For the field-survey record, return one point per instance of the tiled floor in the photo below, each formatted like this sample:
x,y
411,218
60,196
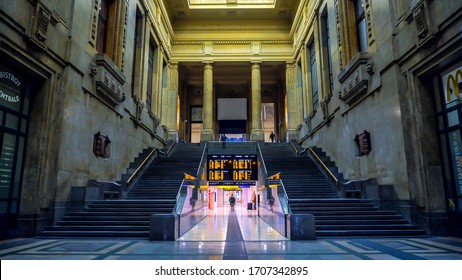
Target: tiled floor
x,y
214,227
209,240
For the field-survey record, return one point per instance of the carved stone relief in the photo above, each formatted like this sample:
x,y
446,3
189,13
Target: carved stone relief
x,y
208,48
424,25
339,41
124,38
109,81
354,79
94,22
369,22
39,26
256,48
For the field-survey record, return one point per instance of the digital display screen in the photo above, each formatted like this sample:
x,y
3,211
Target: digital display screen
x,y
240,169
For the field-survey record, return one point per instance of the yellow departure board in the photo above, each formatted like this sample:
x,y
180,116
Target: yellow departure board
x,y
241,169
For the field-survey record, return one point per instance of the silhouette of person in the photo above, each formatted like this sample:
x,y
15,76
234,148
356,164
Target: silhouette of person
x,y
272,136
232,202
223,139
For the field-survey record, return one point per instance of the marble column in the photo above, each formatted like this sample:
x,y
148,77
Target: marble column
x,y
207,109
172,101
291,91
257,132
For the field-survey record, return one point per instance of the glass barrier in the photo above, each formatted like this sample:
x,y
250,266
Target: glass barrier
x,y
274,204
191,205
275,208
190,211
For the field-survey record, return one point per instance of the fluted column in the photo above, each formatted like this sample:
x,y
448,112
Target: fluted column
x,y
291,82
172,99
207,109
257,132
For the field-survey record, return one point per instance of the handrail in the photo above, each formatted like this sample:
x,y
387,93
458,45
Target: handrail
x,y
324,166
141,166
201,163
170,148
175,209
265,171
293,147
284,189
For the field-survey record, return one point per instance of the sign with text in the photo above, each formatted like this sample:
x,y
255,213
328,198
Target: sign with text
x,y
10,89
241,169
452,84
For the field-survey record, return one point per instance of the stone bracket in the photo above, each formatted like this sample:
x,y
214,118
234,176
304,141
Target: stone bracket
x,y
354,78
109,81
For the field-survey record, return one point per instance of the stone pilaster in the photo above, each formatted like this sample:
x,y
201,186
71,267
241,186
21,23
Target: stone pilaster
x,y
172,95
291,89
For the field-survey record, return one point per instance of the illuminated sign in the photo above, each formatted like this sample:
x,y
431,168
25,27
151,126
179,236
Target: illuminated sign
x,y
453,81
240,169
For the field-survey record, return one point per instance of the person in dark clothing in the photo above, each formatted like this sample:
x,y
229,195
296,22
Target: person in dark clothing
x,y
232,202
223,139
272,136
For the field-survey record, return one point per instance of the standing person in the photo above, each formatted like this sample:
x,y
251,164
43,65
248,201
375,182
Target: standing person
x,y
272,136
223,139
232,202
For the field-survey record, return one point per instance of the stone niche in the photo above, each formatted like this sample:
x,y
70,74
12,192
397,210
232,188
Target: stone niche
x,y
109,81
354,79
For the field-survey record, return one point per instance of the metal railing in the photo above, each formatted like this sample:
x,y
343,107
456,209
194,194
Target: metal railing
x,y
326,169
129,181
170,148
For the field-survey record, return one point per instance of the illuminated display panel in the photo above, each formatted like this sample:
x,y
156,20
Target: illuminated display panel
x,y
232,169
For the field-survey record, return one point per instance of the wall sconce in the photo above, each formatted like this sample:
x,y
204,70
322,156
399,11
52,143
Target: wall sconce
x,y
363,141
101,145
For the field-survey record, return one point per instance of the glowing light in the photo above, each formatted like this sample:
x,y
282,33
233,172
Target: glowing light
x,y
232,4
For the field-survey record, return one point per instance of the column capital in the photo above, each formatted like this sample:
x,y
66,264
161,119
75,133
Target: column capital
x,y
255,62
255,65
173,64
291,64
208,65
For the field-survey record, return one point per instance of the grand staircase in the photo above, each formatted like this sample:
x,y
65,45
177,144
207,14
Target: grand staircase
x,y
154,192
310,192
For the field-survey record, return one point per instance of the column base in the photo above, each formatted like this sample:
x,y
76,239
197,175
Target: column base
x,y
257,135
292,134
207,135
173,135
